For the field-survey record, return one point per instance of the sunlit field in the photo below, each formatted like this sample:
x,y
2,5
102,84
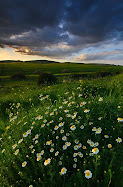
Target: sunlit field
x,y
63,135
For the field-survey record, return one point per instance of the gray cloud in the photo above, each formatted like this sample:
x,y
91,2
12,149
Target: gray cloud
x,y
106,55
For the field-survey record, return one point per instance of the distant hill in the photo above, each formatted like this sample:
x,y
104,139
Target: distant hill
x,y
49,62
41,61
31,61
9,61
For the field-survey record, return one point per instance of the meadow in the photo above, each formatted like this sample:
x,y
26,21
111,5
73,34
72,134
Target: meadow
x,y
63,135
28,68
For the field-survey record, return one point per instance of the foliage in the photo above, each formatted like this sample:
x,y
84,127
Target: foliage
x,y
46,78
18,76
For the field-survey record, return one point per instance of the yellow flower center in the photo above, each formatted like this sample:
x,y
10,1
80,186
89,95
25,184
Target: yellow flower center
x,y
87,173
95,149
63,170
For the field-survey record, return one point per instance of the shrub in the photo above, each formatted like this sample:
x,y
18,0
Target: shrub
x,y
46,78
18,76
102,74
78,76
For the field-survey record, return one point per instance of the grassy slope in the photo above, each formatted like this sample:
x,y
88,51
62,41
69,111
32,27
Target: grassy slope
x,y
109,88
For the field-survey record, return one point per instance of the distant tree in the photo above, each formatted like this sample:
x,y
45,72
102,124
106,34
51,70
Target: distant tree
x,y
46,78
18,76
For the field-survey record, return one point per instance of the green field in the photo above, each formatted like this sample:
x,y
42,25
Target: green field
x,y
7,69
51,134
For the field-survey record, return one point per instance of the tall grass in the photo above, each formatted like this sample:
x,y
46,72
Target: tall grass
x,y
54,119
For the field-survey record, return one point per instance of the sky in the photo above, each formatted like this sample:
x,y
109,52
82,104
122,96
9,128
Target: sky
x,y
85,31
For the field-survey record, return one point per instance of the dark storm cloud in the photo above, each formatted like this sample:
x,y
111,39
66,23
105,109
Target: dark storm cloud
x,y
59,27
95,19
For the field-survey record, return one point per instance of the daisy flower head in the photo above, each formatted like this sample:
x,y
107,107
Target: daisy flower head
x,y
61,118
64,138
99,118
91,144
60,163
94,129
118,140
47,161
51,150
80,155
63,171
76,141
46,112
64,147
76,147
16,152
84,147
101,99
61,124
75,154
86,110
36,141
66,111
88,174
88,141
68,115
91,154
79,145
38,154
73,127
29,131
75,159
49,142
14,146
109,146
3,150
82,127
74,165
31,146
43,125
56,127
98,132
96,144
39,158
42,152
52,113
62,131
33,151
10,115
120,119
24,164
57,152
106,136
45,121
84,103
74,116
60,107
25,134
95,150
90,123
67,144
